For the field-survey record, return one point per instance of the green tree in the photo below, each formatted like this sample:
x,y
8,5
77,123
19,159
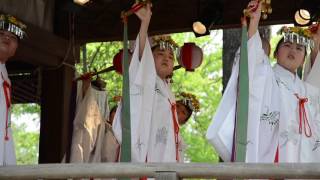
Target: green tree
x,y
26,144
206,83
20,109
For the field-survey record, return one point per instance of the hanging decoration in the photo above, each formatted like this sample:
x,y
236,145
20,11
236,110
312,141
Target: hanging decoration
x,y
265,11
314,28
117,61
190,57
297,35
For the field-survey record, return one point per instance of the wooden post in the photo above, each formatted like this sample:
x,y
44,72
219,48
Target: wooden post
x,y
231,42
54,126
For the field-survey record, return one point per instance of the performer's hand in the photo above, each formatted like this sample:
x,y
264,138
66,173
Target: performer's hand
x,y
254,7
117,98
144,13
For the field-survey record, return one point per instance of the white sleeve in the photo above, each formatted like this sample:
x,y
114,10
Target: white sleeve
x,y
314,74
142,70
255,54
116,125
220,131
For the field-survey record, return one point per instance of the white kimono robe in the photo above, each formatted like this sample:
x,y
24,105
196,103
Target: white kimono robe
x,y
110,146
152,125
273,120
7,151
311,75
89,126
182,149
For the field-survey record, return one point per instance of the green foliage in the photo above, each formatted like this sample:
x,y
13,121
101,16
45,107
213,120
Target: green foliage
x,y
206,83
273,43
103,59
26,144
20,109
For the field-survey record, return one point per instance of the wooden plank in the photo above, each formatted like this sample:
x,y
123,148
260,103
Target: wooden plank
x,y
35,56
17,90
183,170
19,99
166,176
27,86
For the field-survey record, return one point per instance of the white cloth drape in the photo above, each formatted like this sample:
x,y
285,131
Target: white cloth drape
x,y
110,148
89,125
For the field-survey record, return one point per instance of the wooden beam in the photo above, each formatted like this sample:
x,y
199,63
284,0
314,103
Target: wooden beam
x,y
41,47
183,170
27,86
29,94
166,175
16,99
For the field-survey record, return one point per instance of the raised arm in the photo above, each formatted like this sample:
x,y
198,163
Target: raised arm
x,y
144,15
254,16
315,49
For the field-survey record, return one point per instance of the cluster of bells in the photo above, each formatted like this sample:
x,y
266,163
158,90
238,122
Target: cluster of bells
x,y
190,57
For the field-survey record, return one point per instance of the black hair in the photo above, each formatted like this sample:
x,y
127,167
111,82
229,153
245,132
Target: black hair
x,y
188,109
278,46
155,47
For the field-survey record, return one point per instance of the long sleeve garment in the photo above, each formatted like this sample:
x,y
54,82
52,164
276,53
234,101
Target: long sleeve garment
x,y
152,122
276,118
7,151
89,125
111,148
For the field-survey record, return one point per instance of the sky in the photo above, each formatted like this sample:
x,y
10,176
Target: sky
x,y
32,121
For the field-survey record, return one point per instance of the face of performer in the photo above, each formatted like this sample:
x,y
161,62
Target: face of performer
x,y
163,59
8,45
183,113
290,55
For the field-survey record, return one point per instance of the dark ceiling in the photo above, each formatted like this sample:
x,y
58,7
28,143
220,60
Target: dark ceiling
x,y
100,20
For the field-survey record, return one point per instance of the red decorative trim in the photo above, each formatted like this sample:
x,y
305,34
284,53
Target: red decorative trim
x,y
176,128
7,93
303,117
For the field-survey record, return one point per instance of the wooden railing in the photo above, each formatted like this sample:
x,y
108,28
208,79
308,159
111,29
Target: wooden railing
x,y
170,171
